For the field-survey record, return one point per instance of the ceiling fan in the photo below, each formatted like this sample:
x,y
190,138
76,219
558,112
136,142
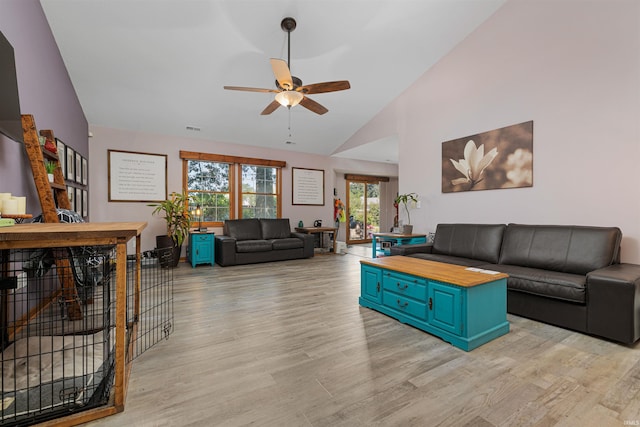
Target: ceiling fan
x,y
290,90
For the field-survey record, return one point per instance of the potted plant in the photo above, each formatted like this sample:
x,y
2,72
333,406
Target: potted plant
x,y
405,199
50,167
178,221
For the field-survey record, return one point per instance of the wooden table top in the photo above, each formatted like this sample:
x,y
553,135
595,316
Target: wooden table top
x,y
72,233
398,235
448,273
315,229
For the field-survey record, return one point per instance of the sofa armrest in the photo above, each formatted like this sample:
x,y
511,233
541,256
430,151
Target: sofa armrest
x,y
419,248
613,302
309,243
225,248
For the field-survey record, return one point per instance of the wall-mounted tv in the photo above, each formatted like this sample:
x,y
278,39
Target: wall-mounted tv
x,y
10,119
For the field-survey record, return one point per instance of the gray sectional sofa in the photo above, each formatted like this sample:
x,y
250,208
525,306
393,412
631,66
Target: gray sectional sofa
x,y
247,241
569,276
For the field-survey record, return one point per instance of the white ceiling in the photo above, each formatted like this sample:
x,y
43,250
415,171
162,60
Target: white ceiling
x,y
159,66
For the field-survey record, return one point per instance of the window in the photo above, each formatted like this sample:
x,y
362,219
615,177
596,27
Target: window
x,y
210,182
260,194
208,186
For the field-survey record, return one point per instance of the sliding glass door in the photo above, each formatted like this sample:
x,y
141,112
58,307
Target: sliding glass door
x,y
363,210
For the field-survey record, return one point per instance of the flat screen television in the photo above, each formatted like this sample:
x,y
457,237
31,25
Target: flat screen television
x,y
10,119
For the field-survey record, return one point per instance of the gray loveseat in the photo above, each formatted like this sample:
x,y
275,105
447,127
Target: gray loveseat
x,y
569,276
247,241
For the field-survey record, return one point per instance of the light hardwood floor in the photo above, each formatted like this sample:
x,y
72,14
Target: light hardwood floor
x,y
286,344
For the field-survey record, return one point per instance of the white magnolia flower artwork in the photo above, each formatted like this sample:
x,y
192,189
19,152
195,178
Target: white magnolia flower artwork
x,y
500,158
473,164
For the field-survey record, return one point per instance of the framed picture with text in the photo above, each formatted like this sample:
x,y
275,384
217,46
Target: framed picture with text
x,y
137,177
307,186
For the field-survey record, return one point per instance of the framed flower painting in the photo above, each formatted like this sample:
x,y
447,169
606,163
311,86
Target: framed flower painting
x,y
500,158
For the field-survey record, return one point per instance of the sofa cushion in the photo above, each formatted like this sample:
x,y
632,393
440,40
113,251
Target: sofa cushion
x,y
562,248
476,241
467,262
288,243
253,246
275,228
546,283
243,229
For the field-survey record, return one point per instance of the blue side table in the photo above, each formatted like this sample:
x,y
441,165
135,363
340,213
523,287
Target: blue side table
x,y
386,240
201,248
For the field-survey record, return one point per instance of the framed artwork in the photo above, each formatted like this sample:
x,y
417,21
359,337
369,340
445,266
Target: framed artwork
x,y
137,177
78,168
78,207
307,186
85,203
62,156
71,193
71,162
499,158
85,172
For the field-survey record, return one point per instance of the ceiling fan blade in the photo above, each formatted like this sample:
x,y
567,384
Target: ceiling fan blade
x,y
282,73
325,87
312,105
251,89
270,108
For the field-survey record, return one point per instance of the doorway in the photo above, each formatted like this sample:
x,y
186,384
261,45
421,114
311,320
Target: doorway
x,y
363,209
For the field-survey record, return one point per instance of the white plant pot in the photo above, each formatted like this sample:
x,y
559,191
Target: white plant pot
x,y
50,175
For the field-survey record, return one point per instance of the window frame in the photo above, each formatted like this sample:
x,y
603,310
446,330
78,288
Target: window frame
x,y
235,179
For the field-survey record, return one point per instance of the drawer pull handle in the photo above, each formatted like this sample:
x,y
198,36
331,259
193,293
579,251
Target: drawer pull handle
x,y
402,288
402,305
430,304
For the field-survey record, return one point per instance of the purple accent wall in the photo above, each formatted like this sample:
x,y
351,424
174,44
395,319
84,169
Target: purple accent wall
x,y
45,92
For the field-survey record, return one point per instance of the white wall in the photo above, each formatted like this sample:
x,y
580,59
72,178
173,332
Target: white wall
x,y
107,138
573,67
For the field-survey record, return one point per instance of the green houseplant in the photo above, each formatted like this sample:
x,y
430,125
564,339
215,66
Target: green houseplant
x,y
178,221
405,199
50,167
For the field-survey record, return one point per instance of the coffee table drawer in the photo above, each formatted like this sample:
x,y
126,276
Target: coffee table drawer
x,y
408,286
405,305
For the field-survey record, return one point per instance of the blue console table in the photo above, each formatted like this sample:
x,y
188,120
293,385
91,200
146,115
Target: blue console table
x,y
201,248
464,306
381,242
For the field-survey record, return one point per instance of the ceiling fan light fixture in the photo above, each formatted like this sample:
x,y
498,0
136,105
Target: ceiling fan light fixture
x,y
289,98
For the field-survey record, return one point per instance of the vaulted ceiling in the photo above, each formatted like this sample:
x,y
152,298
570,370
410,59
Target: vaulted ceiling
x,y
159,66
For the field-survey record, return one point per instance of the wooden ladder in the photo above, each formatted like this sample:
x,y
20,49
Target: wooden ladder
x,y
49,193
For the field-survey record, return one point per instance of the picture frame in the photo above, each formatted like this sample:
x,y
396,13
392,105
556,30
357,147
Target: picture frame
x,y
62,156
85,203
78,168
78,207
71,162
136,177
497,159
85,171
71,194
307,186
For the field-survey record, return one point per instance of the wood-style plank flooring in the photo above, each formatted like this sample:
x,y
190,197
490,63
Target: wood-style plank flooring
x,y
286,344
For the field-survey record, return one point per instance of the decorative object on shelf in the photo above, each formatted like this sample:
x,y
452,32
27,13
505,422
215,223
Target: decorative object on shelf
x,y
50,146
178,223
406,199
50,168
